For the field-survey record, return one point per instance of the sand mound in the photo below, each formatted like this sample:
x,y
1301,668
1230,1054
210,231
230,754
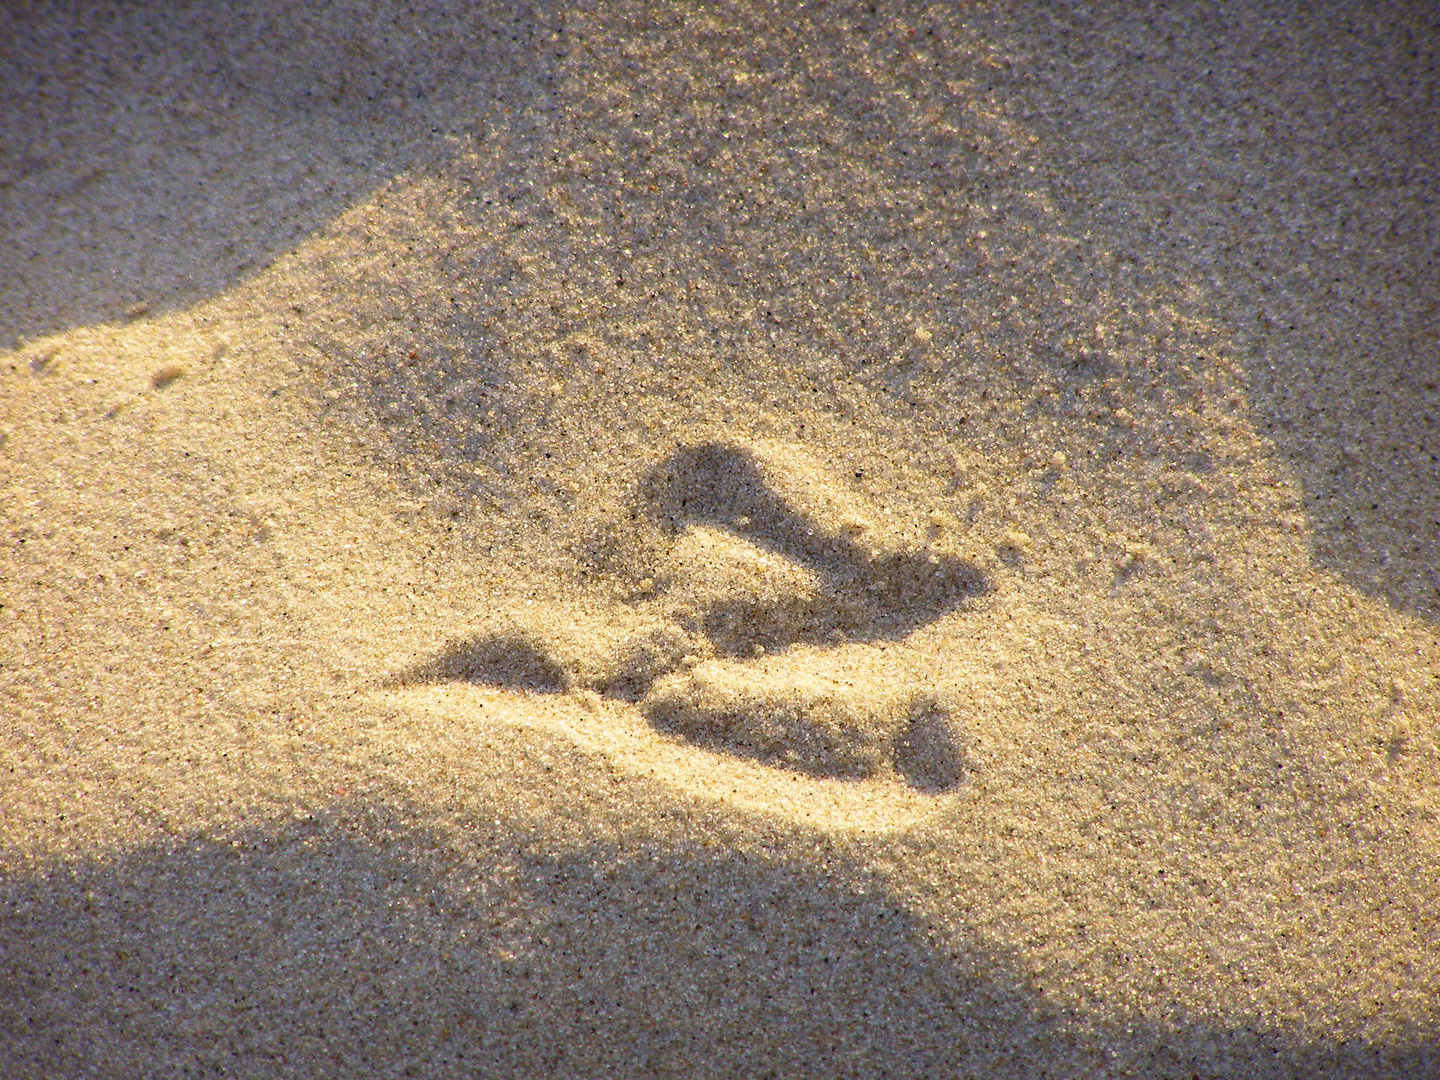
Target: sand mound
x,y
743,598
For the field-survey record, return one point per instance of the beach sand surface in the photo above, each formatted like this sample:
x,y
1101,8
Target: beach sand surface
x,y
821,540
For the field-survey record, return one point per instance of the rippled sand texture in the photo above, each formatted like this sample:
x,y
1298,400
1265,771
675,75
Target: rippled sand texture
x,y
721,541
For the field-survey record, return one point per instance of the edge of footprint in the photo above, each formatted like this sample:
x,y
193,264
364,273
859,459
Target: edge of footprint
x,y
616,732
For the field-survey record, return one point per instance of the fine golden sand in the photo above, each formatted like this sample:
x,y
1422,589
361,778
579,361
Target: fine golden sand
x,y
719,540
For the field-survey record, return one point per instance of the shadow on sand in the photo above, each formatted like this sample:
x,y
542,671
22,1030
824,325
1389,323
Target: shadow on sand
x,y
158,155
324,949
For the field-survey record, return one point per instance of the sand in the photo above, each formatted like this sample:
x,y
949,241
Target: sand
x,y
733,540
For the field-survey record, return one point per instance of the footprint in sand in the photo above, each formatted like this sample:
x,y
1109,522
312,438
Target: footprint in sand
x,y
756,581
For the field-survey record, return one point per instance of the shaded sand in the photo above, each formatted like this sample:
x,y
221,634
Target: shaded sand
x,y
848,541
